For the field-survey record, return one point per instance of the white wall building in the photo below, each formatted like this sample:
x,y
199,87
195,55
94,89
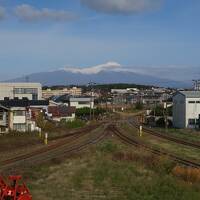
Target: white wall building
x,y
186,109
74,91
81,102
32,91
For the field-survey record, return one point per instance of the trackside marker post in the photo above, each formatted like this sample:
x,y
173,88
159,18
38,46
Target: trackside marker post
x,y
40,132
46,139
140,131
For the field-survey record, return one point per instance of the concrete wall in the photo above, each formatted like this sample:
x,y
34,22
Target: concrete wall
x,y
192,110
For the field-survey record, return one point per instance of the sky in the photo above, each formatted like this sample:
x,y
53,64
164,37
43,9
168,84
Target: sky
x,y
157,37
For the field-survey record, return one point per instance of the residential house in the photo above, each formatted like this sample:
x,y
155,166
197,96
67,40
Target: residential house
x,y
59,113
22,113
4,114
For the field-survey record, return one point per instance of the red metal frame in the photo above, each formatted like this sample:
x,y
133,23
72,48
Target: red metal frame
x,y
14,191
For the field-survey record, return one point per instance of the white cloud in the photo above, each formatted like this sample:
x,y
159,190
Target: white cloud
x,y
2,13
28,13
95,69
122,6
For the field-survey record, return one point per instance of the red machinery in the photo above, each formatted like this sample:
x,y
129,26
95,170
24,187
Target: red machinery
x,y
15,191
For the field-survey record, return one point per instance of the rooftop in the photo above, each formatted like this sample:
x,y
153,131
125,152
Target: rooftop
x,y
190,94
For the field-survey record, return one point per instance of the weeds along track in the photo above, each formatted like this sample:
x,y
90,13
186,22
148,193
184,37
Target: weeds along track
x,y
152,150
166,137
58,149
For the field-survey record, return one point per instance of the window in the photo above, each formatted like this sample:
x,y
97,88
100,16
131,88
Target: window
x,y
83,102
25,90
19,127
19,113
2,129
34,96
197,101
1,116
191,102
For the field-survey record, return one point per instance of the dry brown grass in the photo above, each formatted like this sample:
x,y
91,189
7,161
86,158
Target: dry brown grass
x,y
188,174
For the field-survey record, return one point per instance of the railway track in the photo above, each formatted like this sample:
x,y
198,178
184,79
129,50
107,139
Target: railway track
x,y
59,141
79,131
166,137
152,150
53,151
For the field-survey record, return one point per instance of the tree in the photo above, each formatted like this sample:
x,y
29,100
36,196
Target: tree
x,y
139,106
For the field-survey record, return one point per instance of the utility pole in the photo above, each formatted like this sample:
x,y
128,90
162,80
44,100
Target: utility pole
x,y
165,112
91,84
196,85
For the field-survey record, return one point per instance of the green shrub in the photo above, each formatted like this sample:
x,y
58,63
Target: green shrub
x,y
75,124
139,106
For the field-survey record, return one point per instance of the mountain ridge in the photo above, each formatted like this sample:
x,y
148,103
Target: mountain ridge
x,y
60,77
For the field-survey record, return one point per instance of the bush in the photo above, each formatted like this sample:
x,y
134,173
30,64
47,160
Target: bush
x,y
159,110
139,106
75,124
85,112
161,122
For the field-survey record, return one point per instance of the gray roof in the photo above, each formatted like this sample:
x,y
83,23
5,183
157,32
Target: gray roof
x,y
190,94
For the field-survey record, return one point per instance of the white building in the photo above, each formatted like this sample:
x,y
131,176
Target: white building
x,y
74,91
186,109
32,91
81,102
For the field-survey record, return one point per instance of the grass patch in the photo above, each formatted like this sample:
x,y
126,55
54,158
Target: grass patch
x,y
111,172
107,147
185,134
75,124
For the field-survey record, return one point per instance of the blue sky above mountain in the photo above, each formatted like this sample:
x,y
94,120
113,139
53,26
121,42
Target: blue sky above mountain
x,y
147,36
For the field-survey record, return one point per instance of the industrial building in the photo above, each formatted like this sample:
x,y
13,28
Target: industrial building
x,y
186,109
32,91
76,101
74,91
81,102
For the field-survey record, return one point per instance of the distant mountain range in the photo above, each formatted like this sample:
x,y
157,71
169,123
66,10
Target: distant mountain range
x,y
102,74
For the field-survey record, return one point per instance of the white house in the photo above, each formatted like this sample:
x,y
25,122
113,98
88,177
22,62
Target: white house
x,y
20,114
186,109
4,119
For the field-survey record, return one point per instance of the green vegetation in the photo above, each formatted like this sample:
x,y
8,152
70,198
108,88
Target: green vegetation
x,y
186,134
111,171
139,106
159,111
75,124
163,144
161,122
85,112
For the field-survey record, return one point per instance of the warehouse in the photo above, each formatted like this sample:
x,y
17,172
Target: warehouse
x,y
186,109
